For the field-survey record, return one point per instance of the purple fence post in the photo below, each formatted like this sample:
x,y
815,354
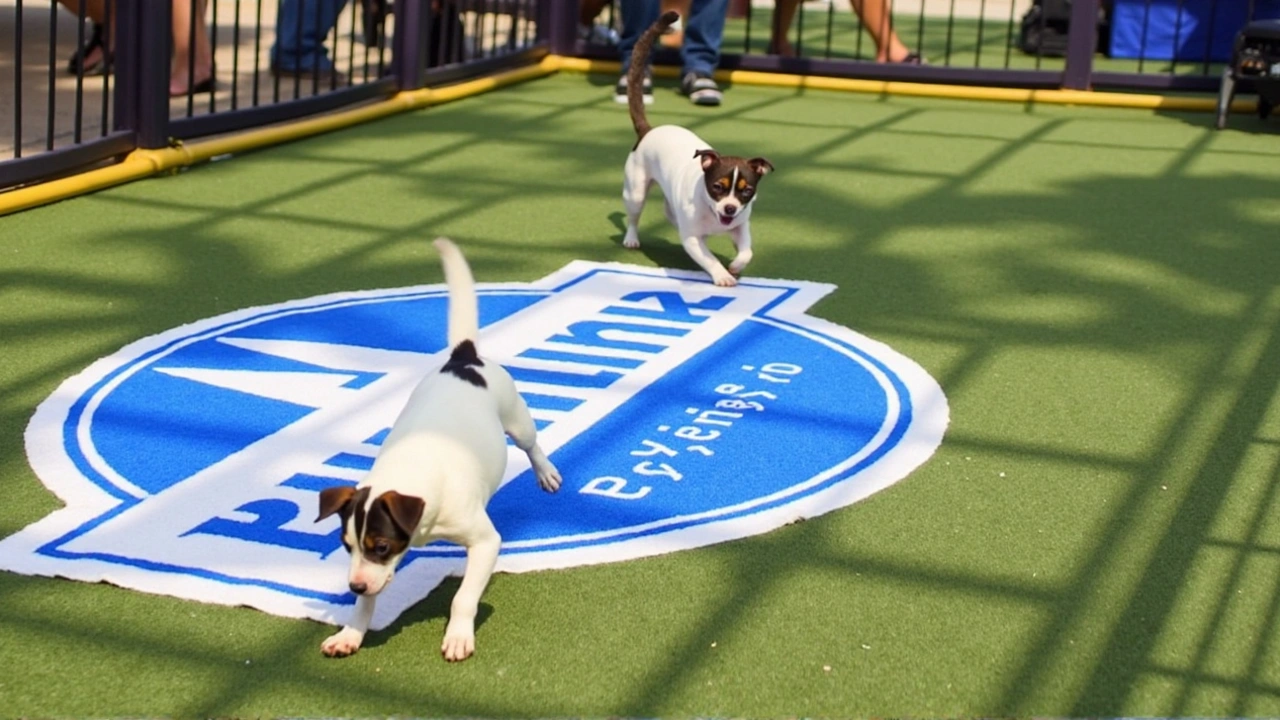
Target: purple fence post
x,y
1082,40
409,46
560,20
143,40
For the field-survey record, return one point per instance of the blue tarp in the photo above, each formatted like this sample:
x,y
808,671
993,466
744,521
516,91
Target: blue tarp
x,y
1153,29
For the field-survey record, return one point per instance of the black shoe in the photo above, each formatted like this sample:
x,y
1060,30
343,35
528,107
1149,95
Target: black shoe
x,y
101,66
701,89
646,90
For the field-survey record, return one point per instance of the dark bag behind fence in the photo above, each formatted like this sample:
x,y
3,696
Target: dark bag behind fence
x,y
1047,23
446,35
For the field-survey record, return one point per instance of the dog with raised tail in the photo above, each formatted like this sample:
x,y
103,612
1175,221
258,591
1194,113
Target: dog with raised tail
x,y
706,193
443,459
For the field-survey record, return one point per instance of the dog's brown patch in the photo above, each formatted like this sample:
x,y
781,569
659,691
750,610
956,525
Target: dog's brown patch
x,y
388,527
718,174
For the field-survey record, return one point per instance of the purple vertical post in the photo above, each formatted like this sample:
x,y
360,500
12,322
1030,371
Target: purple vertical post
x,y
560,20
143,44
155,44
1082,40
409,46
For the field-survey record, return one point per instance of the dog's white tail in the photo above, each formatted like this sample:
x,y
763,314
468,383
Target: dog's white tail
x,y
464,310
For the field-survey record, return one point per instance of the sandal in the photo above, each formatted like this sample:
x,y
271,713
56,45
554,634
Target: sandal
x,y
912,58
204,86
101,66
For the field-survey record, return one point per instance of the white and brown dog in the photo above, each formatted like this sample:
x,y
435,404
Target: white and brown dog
x,y
706,192
443,459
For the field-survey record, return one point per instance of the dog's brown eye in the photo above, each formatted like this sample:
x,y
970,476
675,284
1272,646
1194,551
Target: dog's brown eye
x,y
381,548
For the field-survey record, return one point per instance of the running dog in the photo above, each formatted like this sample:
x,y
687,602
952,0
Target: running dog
x,y
706,192
442,461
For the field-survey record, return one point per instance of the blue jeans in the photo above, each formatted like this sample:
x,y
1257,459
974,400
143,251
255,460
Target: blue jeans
x,y
301,29
703,31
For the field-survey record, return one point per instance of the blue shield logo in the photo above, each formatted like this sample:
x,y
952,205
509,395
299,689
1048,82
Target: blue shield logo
x,y
680,414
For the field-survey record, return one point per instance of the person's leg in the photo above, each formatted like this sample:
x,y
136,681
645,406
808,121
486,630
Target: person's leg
x,y
192,64
784,11
876,19
703,31
301,29
637,16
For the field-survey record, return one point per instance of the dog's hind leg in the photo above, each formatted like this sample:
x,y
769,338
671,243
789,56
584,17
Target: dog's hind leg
x,y
513,413
482,544
635,187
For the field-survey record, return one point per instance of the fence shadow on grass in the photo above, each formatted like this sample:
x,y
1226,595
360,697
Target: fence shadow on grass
x,y
1109,334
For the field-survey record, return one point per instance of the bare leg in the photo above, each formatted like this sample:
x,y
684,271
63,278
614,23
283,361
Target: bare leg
x,y
784,11
183,73
875,17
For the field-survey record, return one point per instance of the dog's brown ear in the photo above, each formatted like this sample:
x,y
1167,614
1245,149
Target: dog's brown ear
x,y
760,165
405,510
709,158
334,499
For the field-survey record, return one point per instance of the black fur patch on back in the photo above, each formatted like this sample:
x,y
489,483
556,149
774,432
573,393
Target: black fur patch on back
x,y
463,362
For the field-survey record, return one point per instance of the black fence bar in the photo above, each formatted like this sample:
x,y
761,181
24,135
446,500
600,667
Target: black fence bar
x,y
48,165
216,123
1155,82
448,74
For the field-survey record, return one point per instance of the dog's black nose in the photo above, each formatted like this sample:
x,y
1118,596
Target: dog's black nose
x,y
730,210
359,588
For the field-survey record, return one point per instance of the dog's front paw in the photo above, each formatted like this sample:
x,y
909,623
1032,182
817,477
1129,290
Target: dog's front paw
x,y
548,477
736,267
724,279
631,240
342,643
459,641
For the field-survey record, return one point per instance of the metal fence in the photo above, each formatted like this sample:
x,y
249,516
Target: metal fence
x,y
1085,44
86,82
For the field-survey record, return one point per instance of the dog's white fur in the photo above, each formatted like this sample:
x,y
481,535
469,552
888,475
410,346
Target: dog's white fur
x,y
666,155
447,448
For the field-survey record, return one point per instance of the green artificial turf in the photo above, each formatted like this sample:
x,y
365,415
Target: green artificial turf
x,y
1095,290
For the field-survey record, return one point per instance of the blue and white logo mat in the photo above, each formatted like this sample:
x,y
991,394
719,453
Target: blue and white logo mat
x,y
680,414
